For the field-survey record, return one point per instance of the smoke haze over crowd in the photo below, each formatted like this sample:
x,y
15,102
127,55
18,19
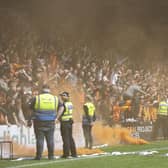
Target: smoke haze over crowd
x,y
126,27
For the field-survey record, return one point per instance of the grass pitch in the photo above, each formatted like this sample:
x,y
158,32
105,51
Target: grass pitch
x,y
158,160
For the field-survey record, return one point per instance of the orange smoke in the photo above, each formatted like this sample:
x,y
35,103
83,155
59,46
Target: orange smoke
x,y
76,96
111,136
22,151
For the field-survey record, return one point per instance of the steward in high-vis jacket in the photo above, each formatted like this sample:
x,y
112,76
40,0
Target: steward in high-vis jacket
x,y
162,119
87,121
45,107
66,120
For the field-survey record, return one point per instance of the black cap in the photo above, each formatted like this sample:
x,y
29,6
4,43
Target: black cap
x,y
66,94
45,88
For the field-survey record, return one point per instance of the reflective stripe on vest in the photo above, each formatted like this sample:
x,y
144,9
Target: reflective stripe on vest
x,y
46,107
163,108
91,109
67,115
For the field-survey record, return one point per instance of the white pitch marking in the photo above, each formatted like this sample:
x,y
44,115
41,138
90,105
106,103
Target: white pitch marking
x,y
59,161
79,158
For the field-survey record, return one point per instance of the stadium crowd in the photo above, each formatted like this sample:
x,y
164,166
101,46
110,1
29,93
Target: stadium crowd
x,y
27,59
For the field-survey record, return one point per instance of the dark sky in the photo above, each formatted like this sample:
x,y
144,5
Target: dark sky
x,y
130,27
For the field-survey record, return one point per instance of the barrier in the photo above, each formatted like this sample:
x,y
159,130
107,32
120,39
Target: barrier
x,y
25,136
6,149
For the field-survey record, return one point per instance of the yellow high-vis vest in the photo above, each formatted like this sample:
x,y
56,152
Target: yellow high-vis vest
x,y
67,115
46,106
163,108
91,108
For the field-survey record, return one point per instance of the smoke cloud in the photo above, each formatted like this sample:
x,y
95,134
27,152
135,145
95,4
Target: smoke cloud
x,y
114,136
131,28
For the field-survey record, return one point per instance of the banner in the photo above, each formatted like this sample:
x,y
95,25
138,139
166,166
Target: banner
x,y
143,131
25,136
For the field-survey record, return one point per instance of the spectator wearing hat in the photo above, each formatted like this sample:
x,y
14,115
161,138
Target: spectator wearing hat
x,y
87,121
45,107
66,121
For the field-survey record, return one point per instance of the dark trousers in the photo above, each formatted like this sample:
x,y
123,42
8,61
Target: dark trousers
x,y
161,122
68,141
44,129
87,131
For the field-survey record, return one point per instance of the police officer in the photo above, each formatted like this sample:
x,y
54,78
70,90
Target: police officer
x,y
66,121
87,121
44,106
162,119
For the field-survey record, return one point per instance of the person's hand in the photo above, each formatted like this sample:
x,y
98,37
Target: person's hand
x,y
91,124
29,79
29,123
22,122
18,124
8,124
56,121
